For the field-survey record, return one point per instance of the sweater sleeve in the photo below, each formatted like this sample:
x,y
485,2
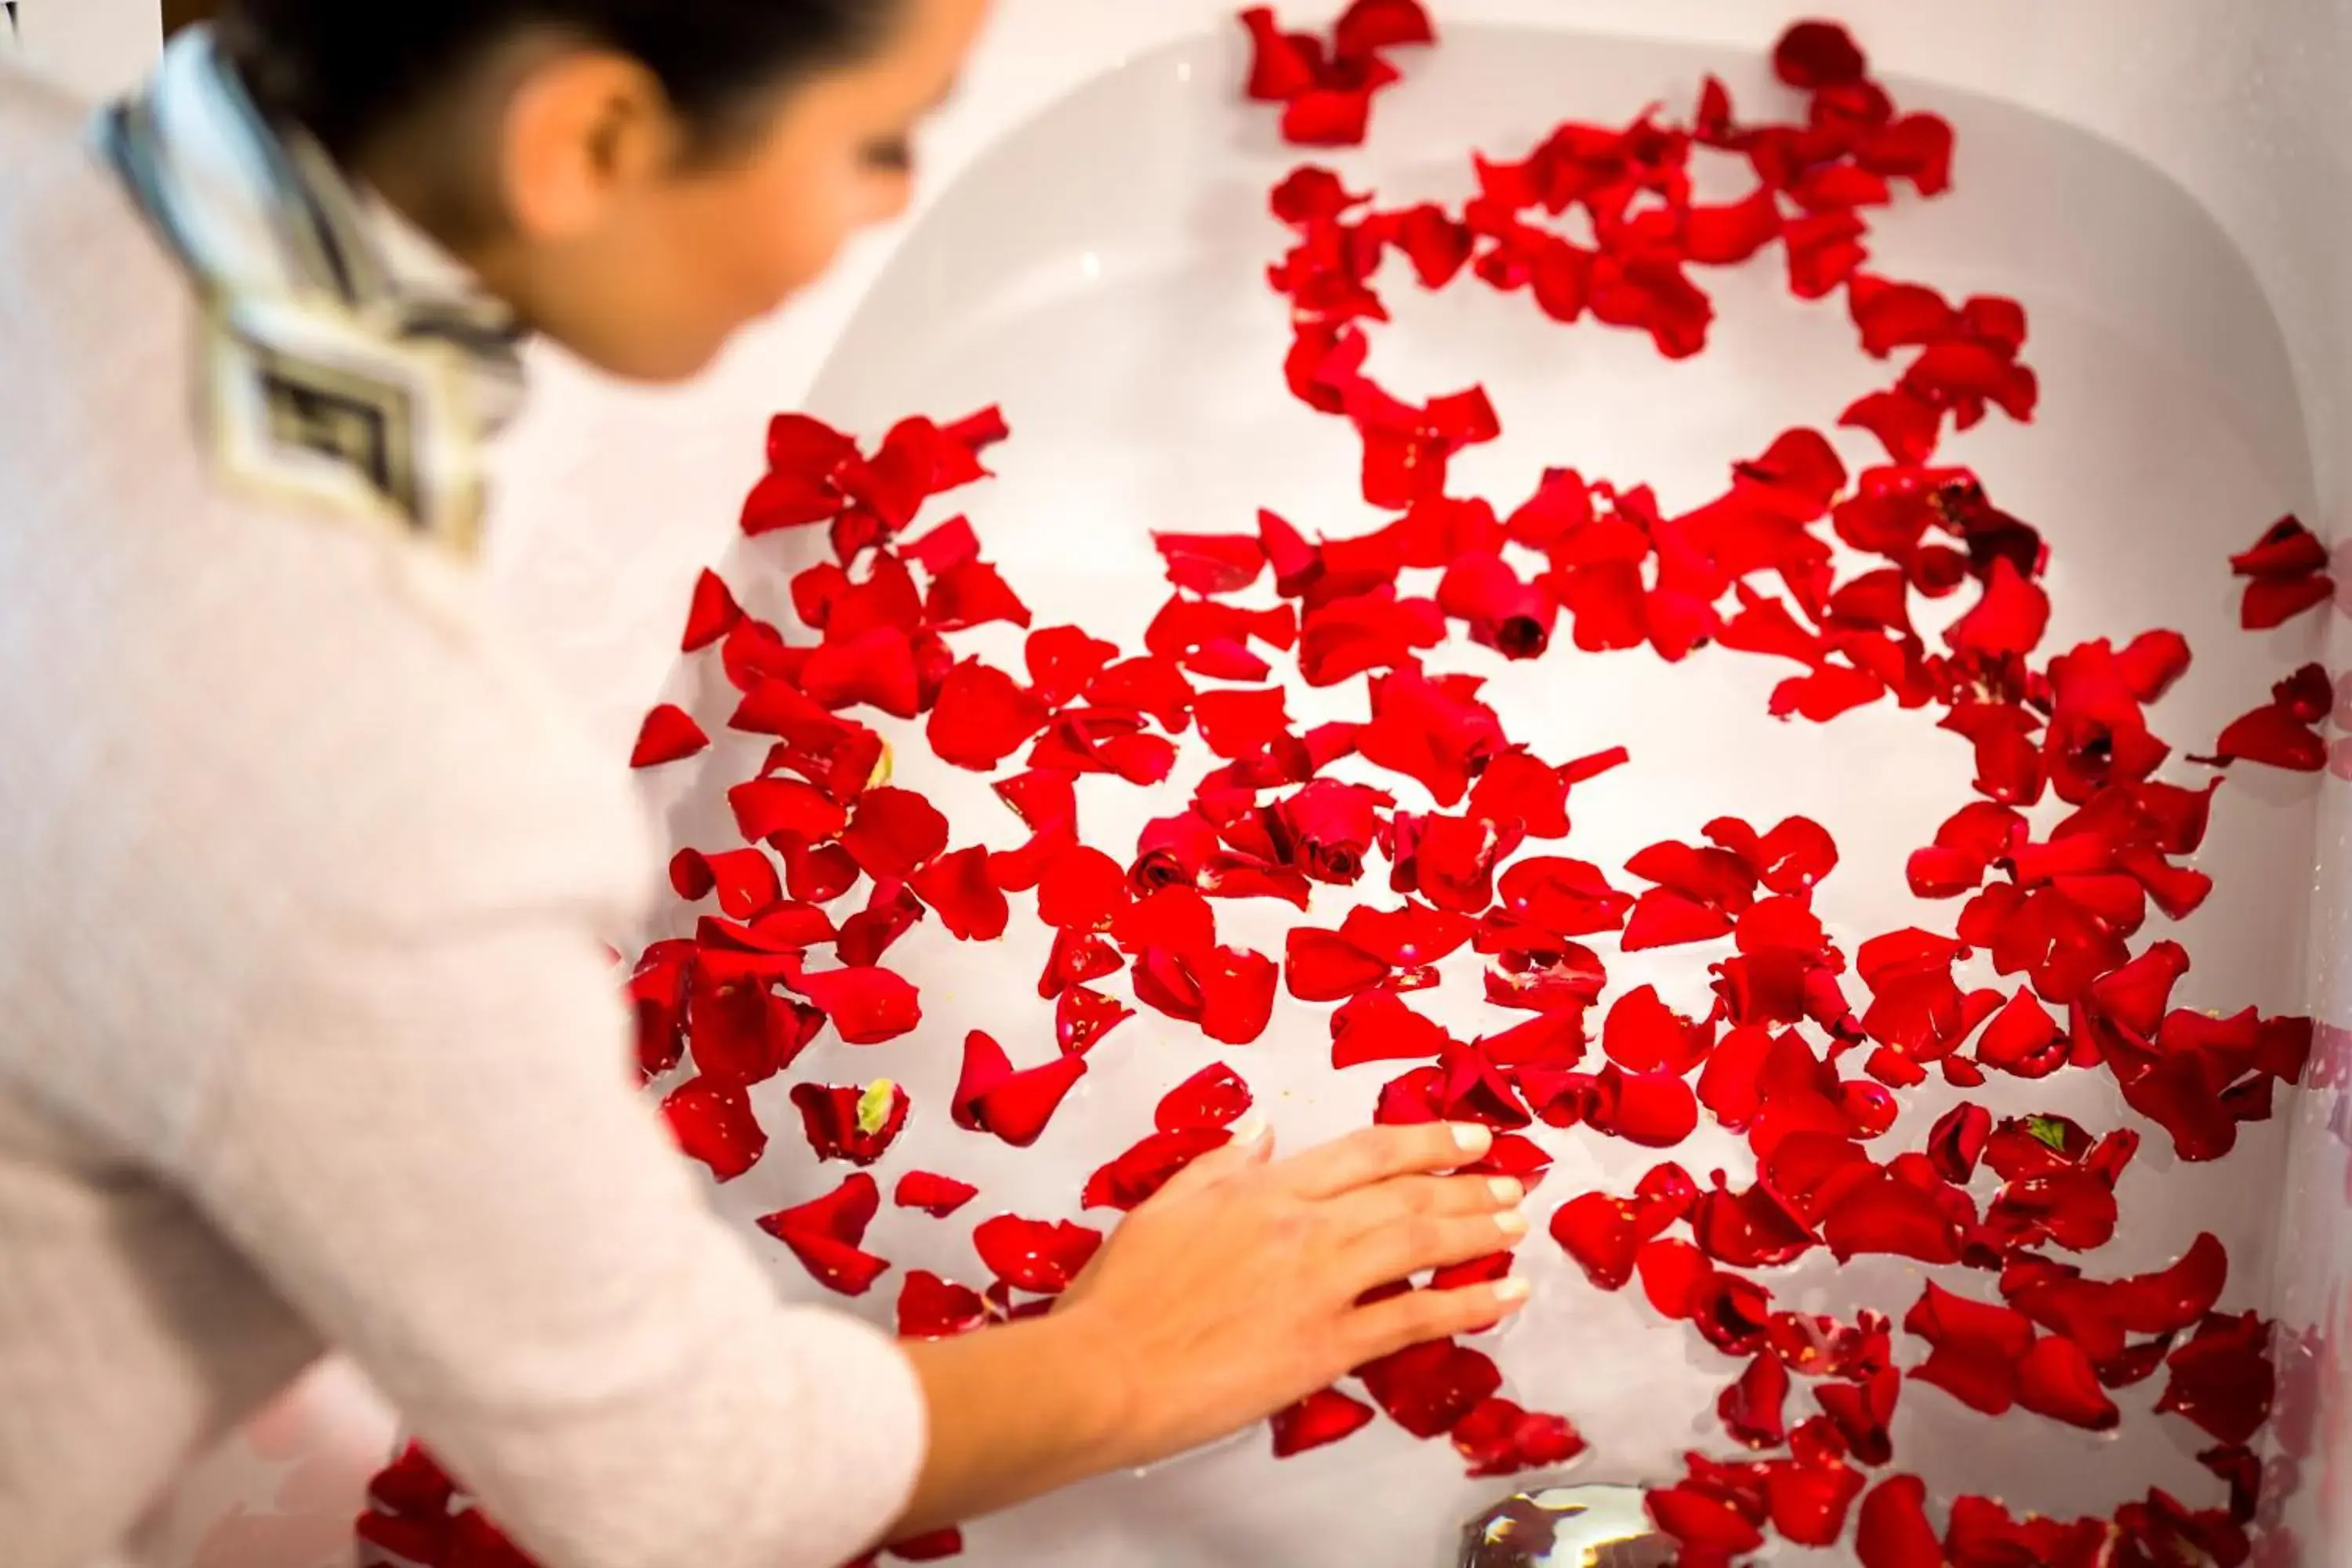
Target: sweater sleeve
x,y
423,1135
431,1155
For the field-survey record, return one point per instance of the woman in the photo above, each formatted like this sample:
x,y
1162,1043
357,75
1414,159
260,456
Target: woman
x,y
308,1041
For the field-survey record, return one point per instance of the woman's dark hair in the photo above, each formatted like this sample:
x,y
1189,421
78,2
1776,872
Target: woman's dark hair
x,y
347,69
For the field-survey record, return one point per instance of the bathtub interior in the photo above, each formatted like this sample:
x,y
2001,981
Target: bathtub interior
x,y
1098,273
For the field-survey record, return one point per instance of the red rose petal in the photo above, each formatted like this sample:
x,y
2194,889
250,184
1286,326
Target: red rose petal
x,y
1216,1096
2271,604
824,1234
959,889
1751,1408
1324,1417
1082,1017
1500,1439
2273,736
1712,1529
2022,1038
982,716
931,1307
971,594
669,735
2056,1380
713,615
928,1547
1136,1175
866,1006
2287,550
1370,25
850,1122
1958,1141
991,1096
1081,890
1375,1024
1428,1388
1038,1256
1894,1532
935,1195
1237,724
1810,1500
1816,55
713,1123
1643,1034
892,831
1322,966
1664,918
2222,1378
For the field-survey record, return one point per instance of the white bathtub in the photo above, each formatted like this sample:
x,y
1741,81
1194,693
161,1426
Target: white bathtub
x,y
2163,190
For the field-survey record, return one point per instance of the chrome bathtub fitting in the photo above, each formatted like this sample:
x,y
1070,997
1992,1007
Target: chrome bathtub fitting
x,y
1566,1526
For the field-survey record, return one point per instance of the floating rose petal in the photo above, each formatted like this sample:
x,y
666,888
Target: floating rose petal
x,y
713,1123
669,735
1136,1175
1038,1256
2023,1039
850,1122
1957,1142
1237,724
958,887
1816,55
1664,918
2055,1379
1751,1409
866,1006
935,1195
1810,1500
1978,1347
1082,1017
931,1307
1499,1438
1642,1034
1216,1096
1324,1417
1430,1387
1322,966
983,717
991,1096
1894,1530
1605,1235
2279,734
824,1233
2222,1378
1375,1024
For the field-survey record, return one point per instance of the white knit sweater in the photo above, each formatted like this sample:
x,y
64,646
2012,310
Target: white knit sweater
x,y
305,1039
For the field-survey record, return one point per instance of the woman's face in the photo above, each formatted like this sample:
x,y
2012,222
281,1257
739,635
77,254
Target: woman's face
x,y
644,260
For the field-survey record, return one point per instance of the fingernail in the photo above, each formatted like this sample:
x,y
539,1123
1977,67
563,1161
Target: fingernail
x,y
1251,1129
1511,1222
1473,1138
1511,1288
1508,1189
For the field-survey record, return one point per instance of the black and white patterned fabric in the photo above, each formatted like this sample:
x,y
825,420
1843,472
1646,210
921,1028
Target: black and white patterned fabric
x,y
347,362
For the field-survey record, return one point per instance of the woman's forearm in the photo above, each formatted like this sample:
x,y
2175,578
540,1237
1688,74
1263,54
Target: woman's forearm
x,y
1015,1411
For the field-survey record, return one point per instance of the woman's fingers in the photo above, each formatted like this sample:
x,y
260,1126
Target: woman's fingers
x,y
1384,1205
1387,1327
1380,1153
1252,1145
1418,1241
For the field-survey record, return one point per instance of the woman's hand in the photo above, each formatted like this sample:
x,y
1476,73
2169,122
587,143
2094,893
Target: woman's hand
x,y
1233,1291
1231,1294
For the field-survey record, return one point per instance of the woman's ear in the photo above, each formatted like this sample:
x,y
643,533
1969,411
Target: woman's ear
x,y
584,130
